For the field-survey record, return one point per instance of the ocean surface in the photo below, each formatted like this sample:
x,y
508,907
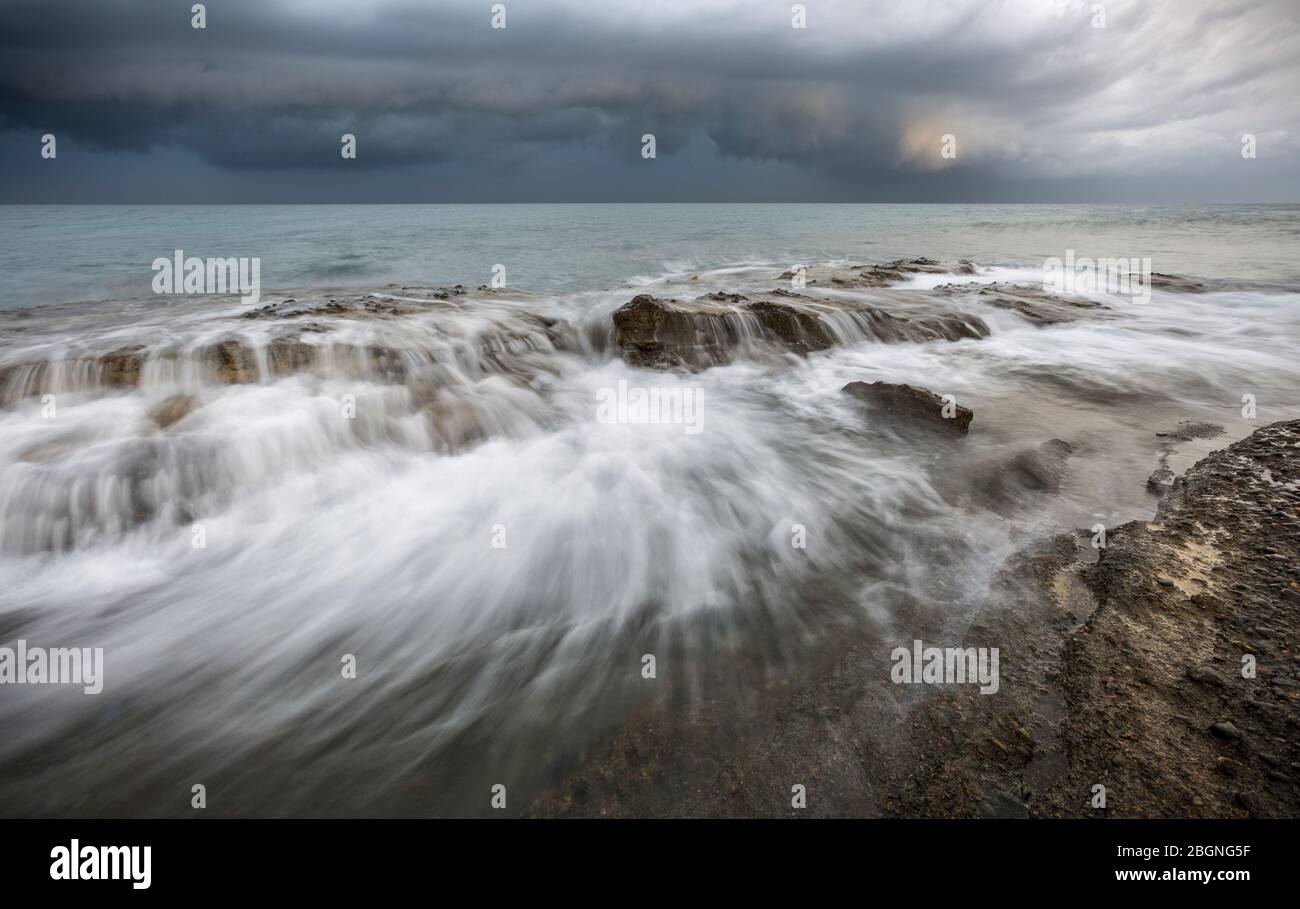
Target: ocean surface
x,y
59,254
422,480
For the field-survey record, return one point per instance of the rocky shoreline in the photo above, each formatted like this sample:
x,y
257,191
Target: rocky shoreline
x,y
1120,663
317,331
1122,667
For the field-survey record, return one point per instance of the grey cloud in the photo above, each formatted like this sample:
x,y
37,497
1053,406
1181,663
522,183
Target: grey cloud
x,y
857,102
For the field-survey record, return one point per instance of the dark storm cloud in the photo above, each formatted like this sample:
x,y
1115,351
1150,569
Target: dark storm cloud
x,y
853,106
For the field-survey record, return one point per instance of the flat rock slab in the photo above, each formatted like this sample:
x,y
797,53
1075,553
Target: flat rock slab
x,y
1033,304
712,330
887,275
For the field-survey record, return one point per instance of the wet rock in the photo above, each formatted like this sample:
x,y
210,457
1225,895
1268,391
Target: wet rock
x,y
289,354
1033,304
1160,481
1177,283
19,380
911,405
658,333
453,424
1227,766
1002,484
172,410
121,367
1204,675
66,445
1210,528
361,306
1100,694
230,361
1226,730
897,271
386,364
1187,430
710,330
1003,805
1041,470
798,330
954,327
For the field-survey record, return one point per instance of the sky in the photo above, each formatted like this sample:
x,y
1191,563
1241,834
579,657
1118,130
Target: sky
x,y
1043,101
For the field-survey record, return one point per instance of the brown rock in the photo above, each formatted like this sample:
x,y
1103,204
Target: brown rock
x,y
799,330
1225,730
173,410
121,367
910,404
1177,282
1227,766
707,331
288,354
1206,676
662,333
231,361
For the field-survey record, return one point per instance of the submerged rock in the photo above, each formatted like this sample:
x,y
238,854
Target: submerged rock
x,y
482,335
361,306
1178,283
887,275
1163,479
172,410
1187,430
1037,470
1033,304
911,405
1160,481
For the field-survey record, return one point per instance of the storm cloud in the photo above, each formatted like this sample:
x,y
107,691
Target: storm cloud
x,y
1043,104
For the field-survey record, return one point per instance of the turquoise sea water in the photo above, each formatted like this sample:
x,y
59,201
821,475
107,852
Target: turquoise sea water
x,y
58,254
